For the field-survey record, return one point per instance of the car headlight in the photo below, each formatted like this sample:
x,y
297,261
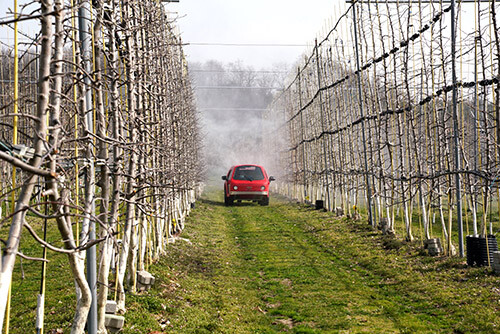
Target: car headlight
x,y
263,188
235,187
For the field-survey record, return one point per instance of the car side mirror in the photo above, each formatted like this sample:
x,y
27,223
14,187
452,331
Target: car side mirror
x,y
224,177
271,178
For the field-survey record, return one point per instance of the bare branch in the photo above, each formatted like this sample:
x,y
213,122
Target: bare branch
x,y
26,167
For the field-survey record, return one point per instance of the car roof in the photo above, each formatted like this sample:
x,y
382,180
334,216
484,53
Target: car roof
x,y
247,165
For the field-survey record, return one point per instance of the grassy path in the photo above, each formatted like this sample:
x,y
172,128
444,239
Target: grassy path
x,y
288,268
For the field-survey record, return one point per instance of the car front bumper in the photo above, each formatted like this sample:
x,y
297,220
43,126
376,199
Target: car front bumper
x,y
250,193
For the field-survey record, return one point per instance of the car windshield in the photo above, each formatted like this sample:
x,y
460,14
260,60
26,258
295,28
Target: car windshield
x,y
249,173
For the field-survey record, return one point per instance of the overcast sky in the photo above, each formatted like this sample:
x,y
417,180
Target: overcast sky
x,y
289,22
295,22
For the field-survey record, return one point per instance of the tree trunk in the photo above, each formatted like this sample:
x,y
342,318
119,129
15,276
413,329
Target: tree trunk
x,y
12,244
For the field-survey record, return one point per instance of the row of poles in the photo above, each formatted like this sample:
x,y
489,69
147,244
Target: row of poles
x,y
358,109
129,134
454,113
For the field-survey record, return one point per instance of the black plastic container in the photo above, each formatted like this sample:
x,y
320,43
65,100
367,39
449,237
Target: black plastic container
x,y
479,249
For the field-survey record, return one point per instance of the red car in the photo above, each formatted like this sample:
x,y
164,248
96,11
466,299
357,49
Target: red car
x,y
247,182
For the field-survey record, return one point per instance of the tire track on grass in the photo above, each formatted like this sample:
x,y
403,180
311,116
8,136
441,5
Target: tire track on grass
x,y
254,269
300,282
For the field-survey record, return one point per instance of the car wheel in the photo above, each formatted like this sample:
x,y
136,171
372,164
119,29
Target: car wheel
x,y
264,202
228,200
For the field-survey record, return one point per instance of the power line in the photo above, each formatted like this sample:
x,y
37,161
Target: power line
x,y
238,71
249,44
232,109
236,87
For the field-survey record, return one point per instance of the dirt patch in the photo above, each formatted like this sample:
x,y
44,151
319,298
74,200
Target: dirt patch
x,y
286,322
275,305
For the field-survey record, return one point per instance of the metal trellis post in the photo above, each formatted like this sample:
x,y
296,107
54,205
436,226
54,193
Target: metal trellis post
x,y
456,135
323,140
361,112
84,22
302,136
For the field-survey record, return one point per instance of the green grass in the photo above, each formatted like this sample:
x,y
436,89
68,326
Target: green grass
x,y
435,228
286,267
60,297
282,268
